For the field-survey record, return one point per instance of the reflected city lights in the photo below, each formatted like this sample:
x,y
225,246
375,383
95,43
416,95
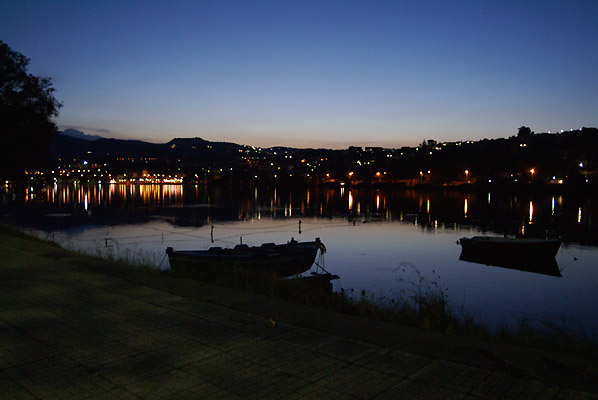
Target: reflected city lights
x,y
86,196
410,206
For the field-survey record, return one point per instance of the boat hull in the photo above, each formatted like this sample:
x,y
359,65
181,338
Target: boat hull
x,y
497,246
283,260
532,255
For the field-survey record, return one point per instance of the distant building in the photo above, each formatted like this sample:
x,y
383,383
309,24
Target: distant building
x,y
374,150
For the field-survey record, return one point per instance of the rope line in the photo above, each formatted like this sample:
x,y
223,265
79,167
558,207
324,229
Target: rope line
x,y
117,241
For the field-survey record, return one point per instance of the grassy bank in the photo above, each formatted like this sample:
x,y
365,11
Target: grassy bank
x,y
425,307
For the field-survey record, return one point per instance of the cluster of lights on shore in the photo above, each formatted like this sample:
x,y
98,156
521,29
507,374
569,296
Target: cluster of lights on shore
x,y
99,173
177,179
108,178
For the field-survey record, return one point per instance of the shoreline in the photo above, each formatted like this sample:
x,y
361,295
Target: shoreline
x,y
25,254
433,311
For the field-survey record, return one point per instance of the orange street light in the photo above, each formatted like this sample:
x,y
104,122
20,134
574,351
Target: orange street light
x,y
532,171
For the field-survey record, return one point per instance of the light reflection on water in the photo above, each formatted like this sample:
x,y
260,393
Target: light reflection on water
x,y
379,241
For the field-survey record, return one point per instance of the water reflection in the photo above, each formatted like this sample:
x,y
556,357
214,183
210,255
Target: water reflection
x,y
106,195
548,266
567,216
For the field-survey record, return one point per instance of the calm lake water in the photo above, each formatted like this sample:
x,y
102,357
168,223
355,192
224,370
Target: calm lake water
x,y
386,243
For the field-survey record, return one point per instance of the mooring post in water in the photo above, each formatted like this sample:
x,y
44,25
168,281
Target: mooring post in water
x,y
212,234
300,227
241,238
106,239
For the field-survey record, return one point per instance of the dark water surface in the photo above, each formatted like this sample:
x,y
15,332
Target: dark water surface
x,y
386,243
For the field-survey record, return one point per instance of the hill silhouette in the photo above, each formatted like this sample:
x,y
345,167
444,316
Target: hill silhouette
x,y
570,156
79,135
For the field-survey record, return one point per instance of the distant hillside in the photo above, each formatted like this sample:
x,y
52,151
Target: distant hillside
x,y
68,147
570,157
79,135
193,148
74,146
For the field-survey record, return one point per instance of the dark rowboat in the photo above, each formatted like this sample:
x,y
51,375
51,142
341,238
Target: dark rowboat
x,y
532,255
501,246
287,259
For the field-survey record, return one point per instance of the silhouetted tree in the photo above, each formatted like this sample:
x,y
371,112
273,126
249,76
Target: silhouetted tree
x,y
27,105
524,132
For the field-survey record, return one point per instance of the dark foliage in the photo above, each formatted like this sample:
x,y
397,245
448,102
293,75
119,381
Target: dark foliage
x,y
524,132
27,105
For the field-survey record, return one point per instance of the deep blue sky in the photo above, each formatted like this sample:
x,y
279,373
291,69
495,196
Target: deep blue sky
x,y
313,74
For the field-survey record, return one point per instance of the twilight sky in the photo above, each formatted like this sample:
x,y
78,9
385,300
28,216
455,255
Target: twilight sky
x,y
313,73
